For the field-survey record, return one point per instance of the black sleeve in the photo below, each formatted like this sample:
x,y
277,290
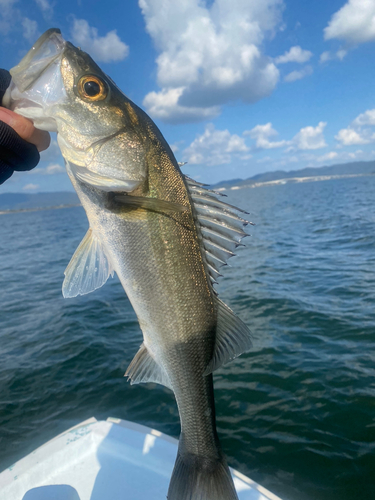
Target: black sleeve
x,y
15,152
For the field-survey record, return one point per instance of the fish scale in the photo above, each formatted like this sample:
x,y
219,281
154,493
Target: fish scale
x,y
165,236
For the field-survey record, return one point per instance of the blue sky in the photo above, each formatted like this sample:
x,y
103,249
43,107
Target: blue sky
x,y
237,87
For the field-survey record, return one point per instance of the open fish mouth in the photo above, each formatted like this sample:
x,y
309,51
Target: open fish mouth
x,y
37,82
46,50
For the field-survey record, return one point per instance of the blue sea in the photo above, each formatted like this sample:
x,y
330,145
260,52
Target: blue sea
x,y
296,414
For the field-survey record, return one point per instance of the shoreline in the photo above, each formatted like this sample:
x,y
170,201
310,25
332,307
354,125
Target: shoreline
x,y
37,209
293,180
285,180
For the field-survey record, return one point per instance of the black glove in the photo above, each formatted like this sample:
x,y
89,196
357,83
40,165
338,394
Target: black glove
x,y
15,152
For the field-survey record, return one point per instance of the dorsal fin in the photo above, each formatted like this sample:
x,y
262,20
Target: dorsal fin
x,y
221,227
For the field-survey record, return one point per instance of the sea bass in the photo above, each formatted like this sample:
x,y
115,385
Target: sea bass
x,y
165,235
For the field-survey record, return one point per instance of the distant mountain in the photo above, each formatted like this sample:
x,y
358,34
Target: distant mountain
x,y
24,201
358,167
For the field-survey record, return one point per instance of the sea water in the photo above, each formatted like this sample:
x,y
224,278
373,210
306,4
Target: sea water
x,y
296,413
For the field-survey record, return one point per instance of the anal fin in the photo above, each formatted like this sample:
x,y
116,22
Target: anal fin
x,y
88,269
144,369
232,338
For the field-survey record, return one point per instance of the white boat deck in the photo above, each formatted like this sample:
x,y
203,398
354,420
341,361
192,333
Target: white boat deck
x,y
105,460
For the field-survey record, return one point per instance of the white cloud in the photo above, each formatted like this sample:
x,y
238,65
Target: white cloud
x,y
359,131
325,56
298,75
262,134
366,118
329,56
55,168
349,137
210,55
164,106
30,29
309,138
30,187
45,7
295,54
340,54
102,48
354,22
328,156
357,154
214,147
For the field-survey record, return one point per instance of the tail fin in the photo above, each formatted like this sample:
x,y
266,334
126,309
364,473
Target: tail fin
x,y
201,478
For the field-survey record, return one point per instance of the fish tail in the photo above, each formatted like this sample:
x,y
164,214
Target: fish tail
x,y
201,478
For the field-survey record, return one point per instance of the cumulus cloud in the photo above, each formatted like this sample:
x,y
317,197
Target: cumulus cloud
x,y
164,106
298,74
106,48
359,131
366,118
214,147
350,137
210,55
309,138
354,22
30,29
295,54
262,135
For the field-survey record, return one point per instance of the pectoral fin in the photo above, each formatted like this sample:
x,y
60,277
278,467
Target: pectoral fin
x,y
109,184
152,204
232,338
88,269
144,369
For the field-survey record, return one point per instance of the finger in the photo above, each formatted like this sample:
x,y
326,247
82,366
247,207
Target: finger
x,y
26,129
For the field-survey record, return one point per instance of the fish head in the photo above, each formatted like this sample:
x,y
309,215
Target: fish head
x,y
61,89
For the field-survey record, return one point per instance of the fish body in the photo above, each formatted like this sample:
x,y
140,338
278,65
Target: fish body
x,y
163,234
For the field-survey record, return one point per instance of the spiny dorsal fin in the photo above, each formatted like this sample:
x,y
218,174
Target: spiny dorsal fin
x,y
232,338
88,269
221,227
144,369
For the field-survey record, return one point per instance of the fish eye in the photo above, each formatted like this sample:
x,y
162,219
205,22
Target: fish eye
x,y
92,88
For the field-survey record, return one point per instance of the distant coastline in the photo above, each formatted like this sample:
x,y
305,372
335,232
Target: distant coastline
x,y
37,209
294,180
27,202
309,174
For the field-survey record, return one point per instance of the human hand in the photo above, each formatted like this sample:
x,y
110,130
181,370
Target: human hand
x,y
20,141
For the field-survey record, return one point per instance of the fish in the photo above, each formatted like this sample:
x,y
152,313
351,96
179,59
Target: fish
x,y
165,235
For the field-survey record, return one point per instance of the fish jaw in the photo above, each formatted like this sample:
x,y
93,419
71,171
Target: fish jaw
x,y
37,84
